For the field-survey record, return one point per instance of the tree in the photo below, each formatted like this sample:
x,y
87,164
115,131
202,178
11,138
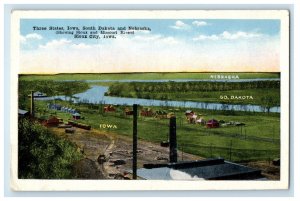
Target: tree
x,y
42,155
268,102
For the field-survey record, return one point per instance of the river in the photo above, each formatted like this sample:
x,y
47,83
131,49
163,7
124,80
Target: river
x,y
96,95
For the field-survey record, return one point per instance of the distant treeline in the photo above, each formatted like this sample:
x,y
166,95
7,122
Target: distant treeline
x,y
50,88
125,89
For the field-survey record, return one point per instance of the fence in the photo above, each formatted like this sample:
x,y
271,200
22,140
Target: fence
x,y
230,153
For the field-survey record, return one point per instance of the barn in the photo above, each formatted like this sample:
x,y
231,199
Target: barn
x,y
109,108
147,112
52,121
189,113
76,116
212,124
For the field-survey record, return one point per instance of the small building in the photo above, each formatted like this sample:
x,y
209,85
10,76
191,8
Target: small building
x,y
171,114
212,124
54,106
23,113
109,108
76,116
51,121
189,112
192,118
200,121
147,112
73,111
128,111
79,125
38,94
161,114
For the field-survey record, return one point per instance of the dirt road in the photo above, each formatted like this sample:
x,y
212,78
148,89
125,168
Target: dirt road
x,y
117,152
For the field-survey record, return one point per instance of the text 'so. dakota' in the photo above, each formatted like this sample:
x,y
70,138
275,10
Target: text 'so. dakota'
x,y
228,97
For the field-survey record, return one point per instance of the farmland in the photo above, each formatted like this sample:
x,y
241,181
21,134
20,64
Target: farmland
x,y
259,139
142,76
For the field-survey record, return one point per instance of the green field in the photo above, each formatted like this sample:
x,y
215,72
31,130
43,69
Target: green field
x,y
258,140
143,76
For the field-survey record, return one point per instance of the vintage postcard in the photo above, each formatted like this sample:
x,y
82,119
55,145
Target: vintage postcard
x,y
149,100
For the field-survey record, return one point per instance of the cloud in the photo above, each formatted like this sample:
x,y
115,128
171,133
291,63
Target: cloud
x,y
31,36
56,44
142,31
157,38
180,25
170,40
228,36
80,46
146,38
239,35
155,52
206,37
199,23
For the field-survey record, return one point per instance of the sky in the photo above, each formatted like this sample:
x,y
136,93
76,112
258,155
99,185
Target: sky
x,y
174,45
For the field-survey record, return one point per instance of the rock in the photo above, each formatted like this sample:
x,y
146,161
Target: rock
x,y
64,126
70,130
164,143
161,158
119,176
101,159
118,162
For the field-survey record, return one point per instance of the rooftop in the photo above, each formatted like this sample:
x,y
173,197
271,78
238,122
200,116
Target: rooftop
x,y
22,112
209,169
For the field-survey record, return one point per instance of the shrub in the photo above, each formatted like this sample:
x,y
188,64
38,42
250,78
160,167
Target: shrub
x,y
42,155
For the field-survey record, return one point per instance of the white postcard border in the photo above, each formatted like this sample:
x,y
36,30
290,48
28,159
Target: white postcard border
x,y
92,185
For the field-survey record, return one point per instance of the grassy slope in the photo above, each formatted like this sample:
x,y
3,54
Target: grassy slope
x,y
143,76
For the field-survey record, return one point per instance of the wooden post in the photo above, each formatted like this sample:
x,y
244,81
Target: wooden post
x,y
273,134
134,146
32,104
230,150
173,140
182,152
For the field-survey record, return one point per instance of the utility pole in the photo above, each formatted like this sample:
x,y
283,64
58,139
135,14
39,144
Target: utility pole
x,y
32,104
230,150
134,146
182,152
173,140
